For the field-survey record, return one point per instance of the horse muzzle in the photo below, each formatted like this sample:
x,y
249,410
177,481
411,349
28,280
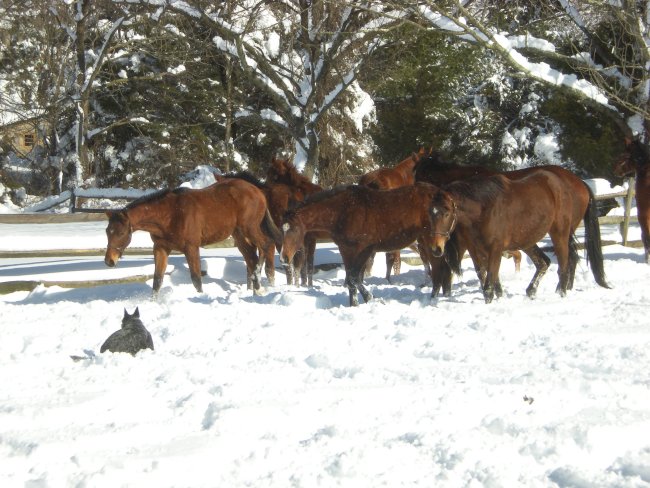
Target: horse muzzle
x,y
437,251
112,257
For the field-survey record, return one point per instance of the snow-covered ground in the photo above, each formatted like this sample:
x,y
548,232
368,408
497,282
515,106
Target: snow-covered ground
x,y
296,389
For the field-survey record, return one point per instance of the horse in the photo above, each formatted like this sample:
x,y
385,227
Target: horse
x,y
361,221
184,219
386,179
432,168
636,161
283,172
497,213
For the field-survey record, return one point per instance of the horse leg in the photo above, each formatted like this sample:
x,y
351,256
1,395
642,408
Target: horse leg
x,y
310,251
541,262
561,247
492,283
269,263
300,268
358,273
573,262
393,263
352,288
194,262
367,270
440,276
367,296
160,256
249,253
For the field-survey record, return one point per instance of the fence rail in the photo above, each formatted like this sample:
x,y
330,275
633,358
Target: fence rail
x,y
622,220
76,213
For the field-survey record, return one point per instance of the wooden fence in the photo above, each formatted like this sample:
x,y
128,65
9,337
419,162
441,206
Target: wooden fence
x,y
622,220
78,213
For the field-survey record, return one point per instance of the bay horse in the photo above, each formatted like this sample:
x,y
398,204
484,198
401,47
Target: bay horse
x,y
361,221
433,168
185,219
492,214
386,179
635,160
283,172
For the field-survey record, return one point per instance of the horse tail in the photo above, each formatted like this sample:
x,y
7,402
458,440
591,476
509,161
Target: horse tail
x,y
271,230
592,241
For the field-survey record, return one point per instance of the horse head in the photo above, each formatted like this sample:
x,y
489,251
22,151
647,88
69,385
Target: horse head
x,y
633,157
118,232
293,237
278,171
443,216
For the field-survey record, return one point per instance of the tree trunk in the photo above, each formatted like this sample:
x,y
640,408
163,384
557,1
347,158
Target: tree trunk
x,y
228,136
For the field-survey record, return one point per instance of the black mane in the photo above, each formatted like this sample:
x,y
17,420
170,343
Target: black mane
x,y
315,198
155,196
479,188
248,177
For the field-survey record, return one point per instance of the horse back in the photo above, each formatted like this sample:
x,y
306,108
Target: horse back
x,y
213,213
380,215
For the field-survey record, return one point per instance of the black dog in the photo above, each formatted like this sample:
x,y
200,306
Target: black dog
x,y
132,337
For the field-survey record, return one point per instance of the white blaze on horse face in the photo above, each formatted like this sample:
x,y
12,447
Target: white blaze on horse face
x,y
286,227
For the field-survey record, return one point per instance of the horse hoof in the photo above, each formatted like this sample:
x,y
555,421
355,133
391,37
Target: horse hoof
x,y
258,292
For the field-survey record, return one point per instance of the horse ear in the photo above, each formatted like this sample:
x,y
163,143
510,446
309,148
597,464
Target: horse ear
x,y
136,313
126,314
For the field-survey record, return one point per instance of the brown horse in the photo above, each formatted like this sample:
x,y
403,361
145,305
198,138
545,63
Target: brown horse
x,y
386,179
496,213
283,172
432,168
361,221
183,220
636,161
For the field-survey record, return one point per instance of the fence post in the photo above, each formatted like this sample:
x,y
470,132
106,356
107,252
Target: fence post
x,y
628,208
73,200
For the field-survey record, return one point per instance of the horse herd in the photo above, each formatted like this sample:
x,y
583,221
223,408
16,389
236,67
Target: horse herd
x,y
442,208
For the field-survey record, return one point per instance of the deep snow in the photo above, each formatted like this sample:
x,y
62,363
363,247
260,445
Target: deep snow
x,y
294,388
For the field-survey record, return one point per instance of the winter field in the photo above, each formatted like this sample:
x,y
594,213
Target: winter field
x,y
294,388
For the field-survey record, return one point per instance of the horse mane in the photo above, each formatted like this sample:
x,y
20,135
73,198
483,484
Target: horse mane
x,y
478,188
316,197
294,176
638,154
157,195
248,177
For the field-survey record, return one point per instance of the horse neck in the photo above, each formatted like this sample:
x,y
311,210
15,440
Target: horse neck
x,y
317,216
152,217
468,210
406,165
406,170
